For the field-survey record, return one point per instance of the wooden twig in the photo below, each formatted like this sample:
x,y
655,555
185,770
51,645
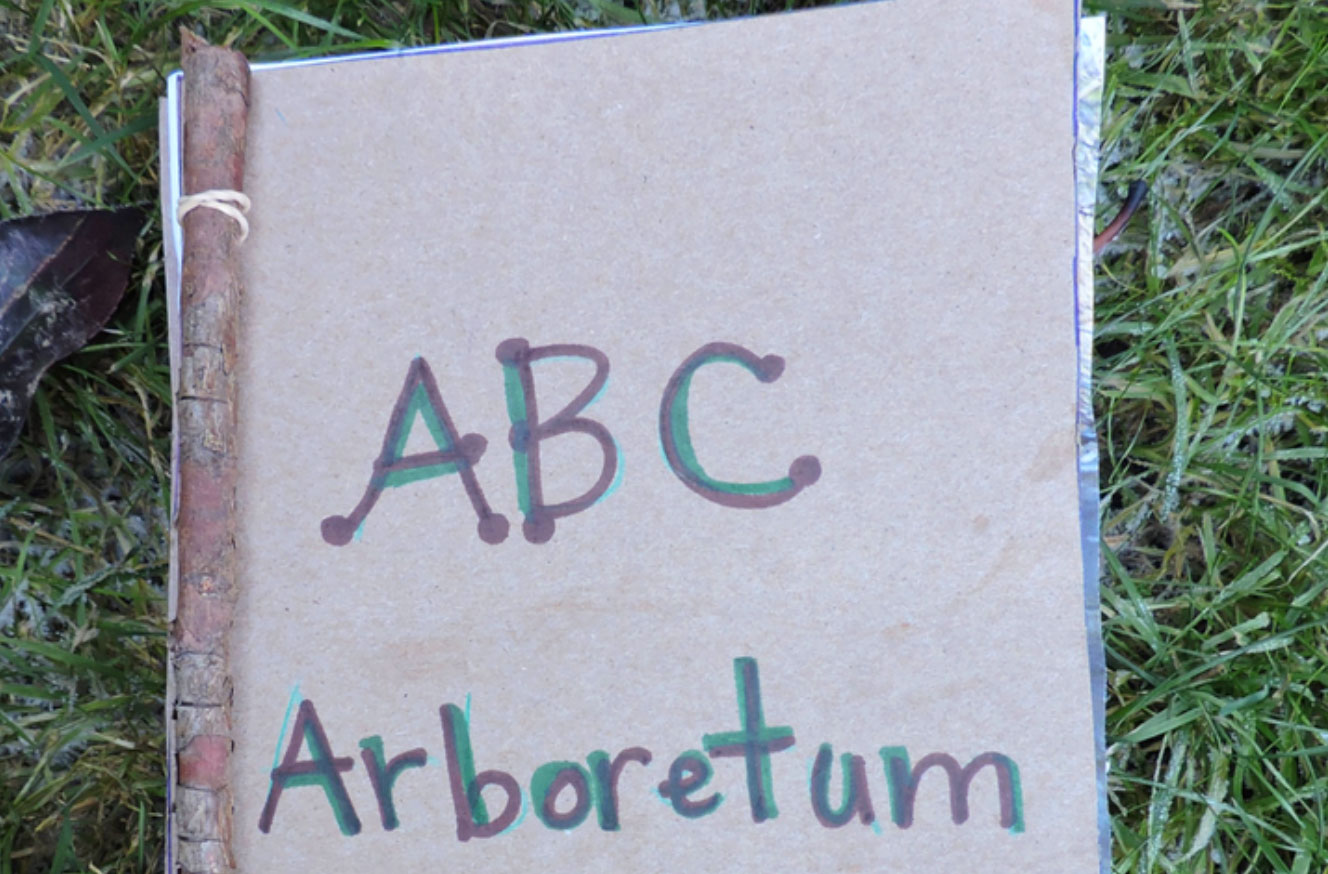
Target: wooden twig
x,y
216,95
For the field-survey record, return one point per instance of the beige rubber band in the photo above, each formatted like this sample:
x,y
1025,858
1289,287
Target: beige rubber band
x,y
233,203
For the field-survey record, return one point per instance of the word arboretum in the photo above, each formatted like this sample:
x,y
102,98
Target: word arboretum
x,y
563,793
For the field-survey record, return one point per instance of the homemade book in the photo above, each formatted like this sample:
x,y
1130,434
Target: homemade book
x,y
643,450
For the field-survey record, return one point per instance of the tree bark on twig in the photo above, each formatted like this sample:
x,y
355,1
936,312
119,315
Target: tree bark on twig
x,y
216,97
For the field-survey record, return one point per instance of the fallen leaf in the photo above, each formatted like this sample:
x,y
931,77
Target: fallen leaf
x,y
61,277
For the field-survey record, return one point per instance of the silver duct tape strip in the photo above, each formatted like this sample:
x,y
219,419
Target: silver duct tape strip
x,y
1090,62
172,174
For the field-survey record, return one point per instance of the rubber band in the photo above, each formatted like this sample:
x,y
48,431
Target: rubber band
x,y
233,203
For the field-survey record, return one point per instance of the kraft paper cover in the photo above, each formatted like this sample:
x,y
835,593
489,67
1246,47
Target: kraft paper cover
x,y
826,262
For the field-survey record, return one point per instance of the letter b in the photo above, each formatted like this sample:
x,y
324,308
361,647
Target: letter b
x,y
517,355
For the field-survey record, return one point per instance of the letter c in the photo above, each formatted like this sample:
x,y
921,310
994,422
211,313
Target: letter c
x,y
675,434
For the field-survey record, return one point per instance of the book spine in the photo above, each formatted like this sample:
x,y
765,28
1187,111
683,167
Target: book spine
x,y
216,96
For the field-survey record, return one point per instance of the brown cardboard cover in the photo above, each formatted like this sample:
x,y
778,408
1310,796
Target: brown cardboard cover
x,y
880,195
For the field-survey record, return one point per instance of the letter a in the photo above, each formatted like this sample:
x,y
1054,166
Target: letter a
x,y
516,356
320,769
456,454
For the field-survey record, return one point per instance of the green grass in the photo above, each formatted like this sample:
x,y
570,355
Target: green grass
x,y
1212,377
1212,349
